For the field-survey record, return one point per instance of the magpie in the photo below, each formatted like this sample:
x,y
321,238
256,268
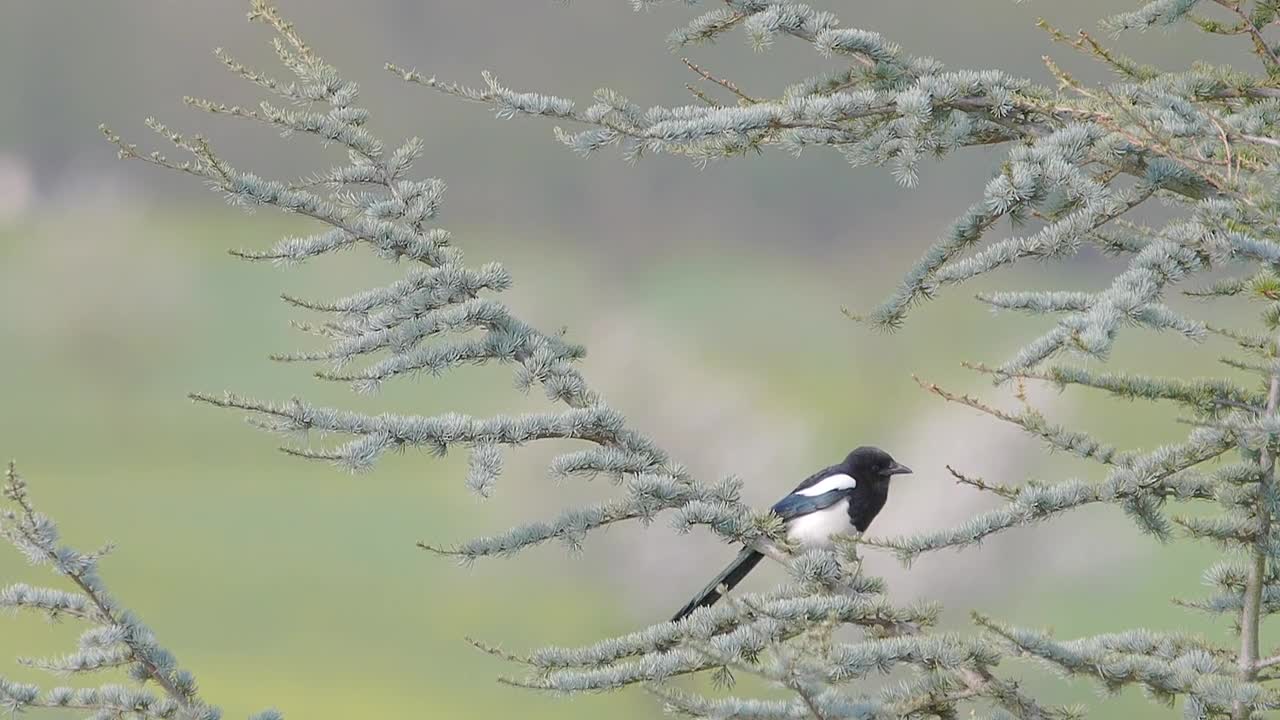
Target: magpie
x,y
833,501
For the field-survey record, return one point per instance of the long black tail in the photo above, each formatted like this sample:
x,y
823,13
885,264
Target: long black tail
x,y
731,576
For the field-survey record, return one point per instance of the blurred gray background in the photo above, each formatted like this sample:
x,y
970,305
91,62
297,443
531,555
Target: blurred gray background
x,y
709,298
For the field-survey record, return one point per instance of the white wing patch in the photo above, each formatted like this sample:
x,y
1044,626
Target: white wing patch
x,y
839,481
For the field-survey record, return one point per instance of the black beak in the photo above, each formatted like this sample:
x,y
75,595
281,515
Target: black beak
x,y
898,469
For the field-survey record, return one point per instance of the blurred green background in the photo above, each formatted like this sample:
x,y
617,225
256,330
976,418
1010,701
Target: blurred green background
x,y
709,299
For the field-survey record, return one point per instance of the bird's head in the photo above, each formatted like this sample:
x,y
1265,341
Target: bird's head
x,y
871,464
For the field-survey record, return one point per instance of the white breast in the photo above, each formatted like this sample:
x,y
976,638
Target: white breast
x,y
816,528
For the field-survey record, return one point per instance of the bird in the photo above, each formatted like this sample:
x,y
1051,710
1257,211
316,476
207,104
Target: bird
x,y
834,501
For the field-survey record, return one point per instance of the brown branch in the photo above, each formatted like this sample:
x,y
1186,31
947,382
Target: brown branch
x,y
1003,491
1260,46
711,102
726,84
969,401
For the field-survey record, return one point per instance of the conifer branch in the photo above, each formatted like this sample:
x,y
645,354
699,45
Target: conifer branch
x,y
1034,423
115,640
442,314
1081,159
1260,45
1207,395
33,533
1251,612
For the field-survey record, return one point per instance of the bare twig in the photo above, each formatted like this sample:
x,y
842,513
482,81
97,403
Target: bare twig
x,y
1260,46
707,99
1003,491
726,84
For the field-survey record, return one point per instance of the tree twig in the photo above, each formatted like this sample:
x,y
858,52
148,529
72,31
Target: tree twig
x,y
726,84
1260,46
1003,491
1251,613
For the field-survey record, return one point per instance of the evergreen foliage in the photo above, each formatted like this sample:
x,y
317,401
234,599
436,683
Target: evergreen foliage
x,y
115,639
1081,157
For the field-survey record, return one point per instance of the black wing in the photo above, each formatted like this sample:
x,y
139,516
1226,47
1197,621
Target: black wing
x,y
793,505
